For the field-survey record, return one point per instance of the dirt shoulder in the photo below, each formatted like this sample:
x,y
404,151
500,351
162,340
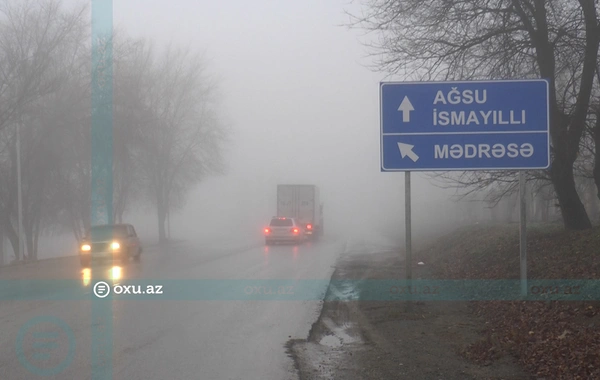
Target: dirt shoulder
x,y
458,339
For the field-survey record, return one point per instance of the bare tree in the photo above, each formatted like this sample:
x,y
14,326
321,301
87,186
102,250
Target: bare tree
x,y
31,34
502,39
72,191
167,135
183,138
37,40
132,67
594,134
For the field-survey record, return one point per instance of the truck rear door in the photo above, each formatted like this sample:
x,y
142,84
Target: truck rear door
x,y
286,203
306,204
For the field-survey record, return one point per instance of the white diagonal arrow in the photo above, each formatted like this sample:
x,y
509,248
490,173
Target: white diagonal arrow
x,y
407,150
406,106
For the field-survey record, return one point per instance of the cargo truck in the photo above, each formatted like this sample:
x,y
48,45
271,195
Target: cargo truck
x,y
302,202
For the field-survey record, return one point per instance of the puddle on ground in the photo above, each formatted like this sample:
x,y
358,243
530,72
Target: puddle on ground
x,y
337,336
343,291
331,341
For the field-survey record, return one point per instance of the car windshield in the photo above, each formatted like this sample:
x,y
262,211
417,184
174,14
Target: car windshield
x,y
107,232
281,222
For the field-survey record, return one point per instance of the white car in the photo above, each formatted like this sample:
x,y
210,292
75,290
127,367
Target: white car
x,y
110,242
285,230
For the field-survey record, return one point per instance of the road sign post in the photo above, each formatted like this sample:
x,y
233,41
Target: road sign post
x,y
408,233
523,231
463,126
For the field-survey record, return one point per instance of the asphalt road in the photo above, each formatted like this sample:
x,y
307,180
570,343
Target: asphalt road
x,y
50,335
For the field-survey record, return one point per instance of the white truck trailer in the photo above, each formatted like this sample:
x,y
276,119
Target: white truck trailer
x,y
303,203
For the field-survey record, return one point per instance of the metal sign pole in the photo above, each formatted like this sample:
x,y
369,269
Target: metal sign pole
x,y
523,231
408,258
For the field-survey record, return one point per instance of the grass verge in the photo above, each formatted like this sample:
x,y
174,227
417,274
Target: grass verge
x,y
553,339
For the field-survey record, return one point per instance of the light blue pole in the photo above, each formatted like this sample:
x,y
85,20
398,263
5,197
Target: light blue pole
x,y
102,175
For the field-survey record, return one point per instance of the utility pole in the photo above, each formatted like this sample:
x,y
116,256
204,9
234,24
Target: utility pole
x,y
19,199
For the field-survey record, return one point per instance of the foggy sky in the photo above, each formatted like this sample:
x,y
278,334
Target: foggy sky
x,y
303,106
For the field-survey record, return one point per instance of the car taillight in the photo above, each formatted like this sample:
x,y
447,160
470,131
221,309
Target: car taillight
x,y
295,230
309,226
267,230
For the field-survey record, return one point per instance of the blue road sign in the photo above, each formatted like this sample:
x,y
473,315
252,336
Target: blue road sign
x,y
473,125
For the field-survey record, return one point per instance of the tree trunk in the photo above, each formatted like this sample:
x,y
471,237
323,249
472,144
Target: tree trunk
x,y
162,216
541,206
12,200
75,226
494,214
592,202
29,241
118,216
32,229
565,130
36,238
530,210
596,135
536,202
12,236
162,234
571,208
545,210
28,220
86,217
36,235
510,209
169,225
118,208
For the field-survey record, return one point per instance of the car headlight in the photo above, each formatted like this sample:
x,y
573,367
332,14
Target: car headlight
x,y
86,275
116,273
115,245
86,247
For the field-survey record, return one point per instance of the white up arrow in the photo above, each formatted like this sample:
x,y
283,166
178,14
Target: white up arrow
x,y
406,106
407,150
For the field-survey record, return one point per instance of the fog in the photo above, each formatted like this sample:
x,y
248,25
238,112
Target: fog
x,y
303,108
